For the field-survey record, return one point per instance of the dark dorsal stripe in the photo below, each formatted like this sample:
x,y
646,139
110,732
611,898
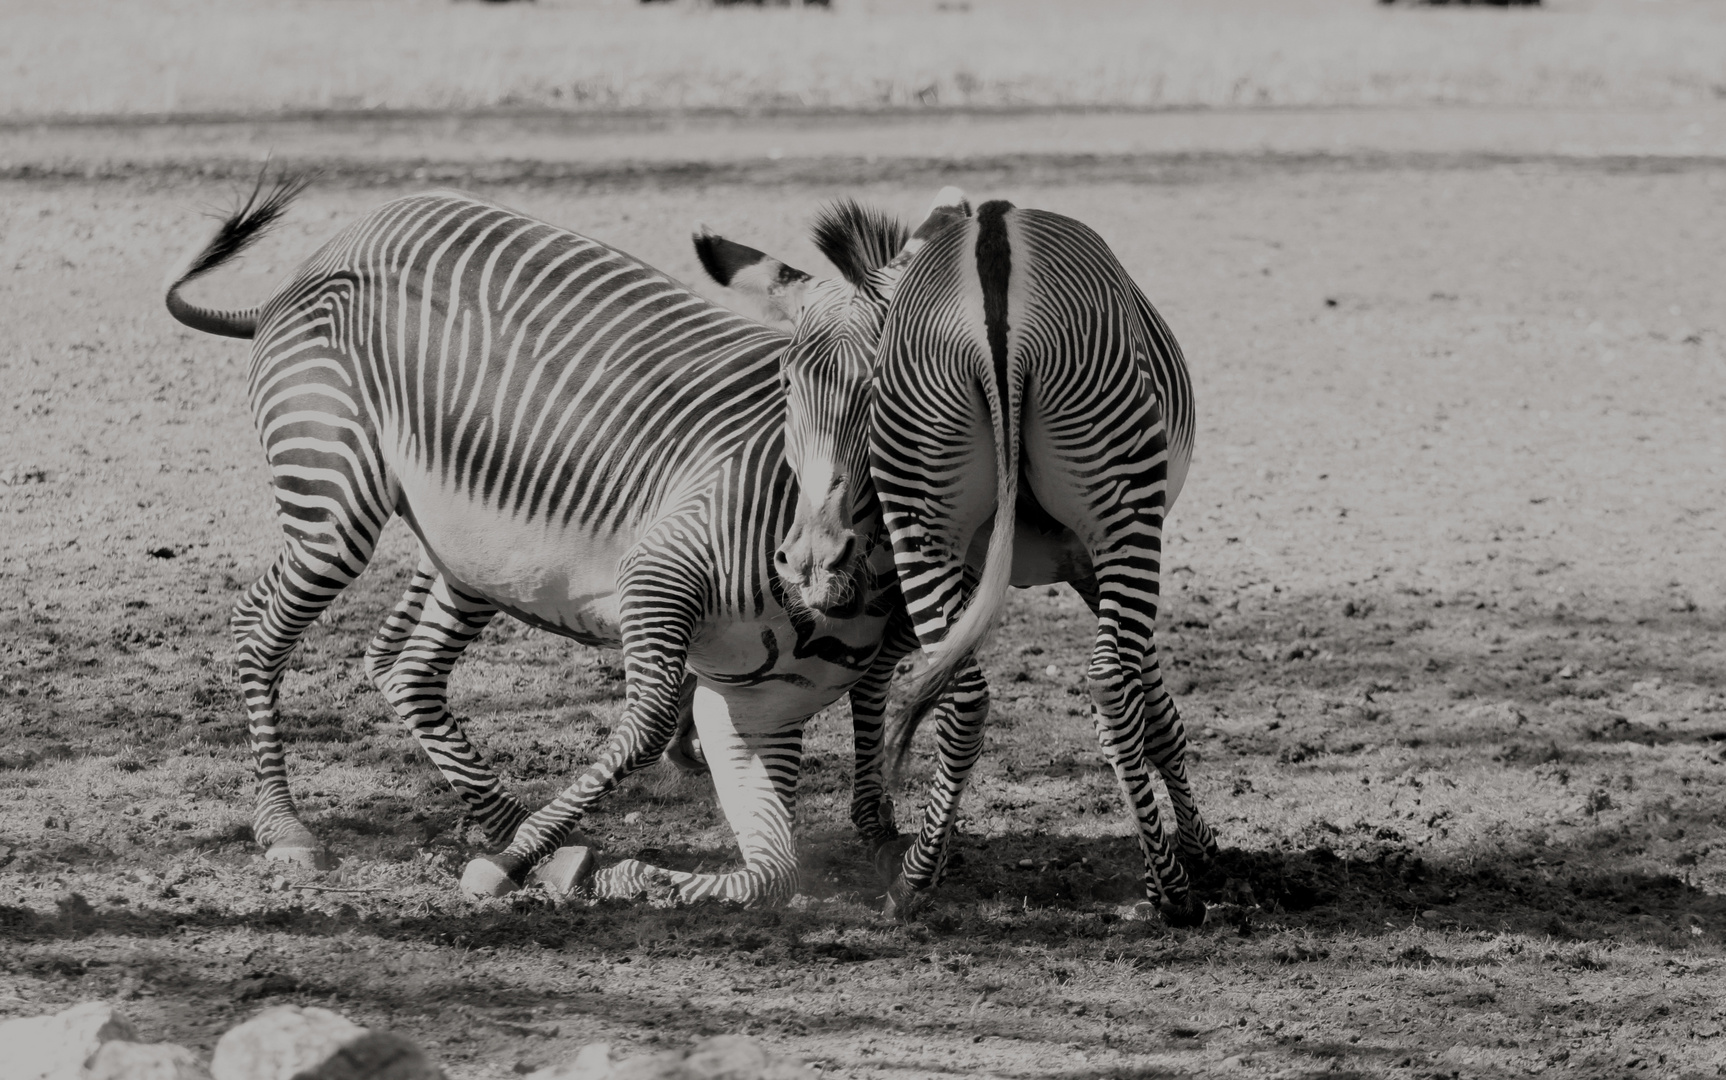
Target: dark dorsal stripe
x,y
994,264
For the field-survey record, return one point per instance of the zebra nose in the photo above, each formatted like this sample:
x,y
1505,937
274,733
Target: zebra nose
x,y
842,556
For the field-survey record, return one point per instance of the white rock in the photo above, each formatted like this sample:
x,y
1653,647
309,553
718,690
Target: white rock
x,y
121,1060
315,1044
592,1062
58,1047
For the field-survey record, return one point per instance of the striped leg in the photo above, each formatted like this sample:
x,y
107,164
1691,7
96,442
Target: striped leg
x,y
755,776
959,722
1118,693
1165,744
267,623
399,625
1166,748
871,806
659,611
416,684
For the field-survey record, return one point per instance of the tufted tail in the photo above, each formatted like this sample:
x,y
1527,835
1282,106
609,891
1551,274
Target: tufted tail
x,y
244,227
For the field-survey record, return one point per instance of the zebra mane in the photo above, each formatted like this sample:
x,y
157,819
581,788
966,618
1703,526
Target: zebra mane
x,y
857,239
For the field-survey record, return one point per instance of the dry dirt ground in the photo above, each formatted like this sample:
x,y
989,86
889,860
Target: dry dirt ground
x,y
1445,610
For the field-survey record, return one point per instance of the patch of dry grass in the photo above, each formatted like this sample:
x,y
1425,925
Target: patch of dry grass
x,y
96,57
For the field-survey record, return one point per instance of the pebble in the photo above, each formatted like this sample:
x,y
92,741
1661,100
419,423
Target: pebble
x,y
1027,864
1429,913
1052,671
632,818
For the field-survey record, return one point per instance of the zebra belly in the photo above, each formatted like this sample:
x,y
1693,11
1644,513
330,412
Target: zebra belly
x,y
558,578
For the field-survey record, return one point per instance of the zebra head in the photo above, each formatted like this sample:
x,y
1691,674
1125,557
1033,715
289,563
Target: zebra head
x,y
836,331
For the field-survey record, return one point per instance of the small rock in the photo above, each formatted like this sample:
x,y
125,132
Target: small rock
x,y
289,1041
279,883
632,818
1567,672
121,1060
58,1047
1027,864
1430,914
1052,671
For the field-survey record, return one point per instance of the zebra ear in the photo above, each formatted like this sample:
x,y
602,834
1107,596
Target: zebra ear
x,y
950,205
778,288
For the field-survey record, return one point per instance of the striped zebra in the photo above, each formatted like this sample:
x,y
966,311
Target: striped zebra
x,y
1018,365
582,443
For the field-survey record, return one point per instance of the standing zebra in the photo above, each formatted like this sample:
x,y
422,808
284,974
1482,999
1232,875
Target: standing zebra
x,y
585,444
1020,367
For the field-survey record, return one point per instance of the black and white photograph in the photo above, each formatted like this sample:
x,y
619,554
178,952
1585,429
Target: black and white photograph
x,y
883,539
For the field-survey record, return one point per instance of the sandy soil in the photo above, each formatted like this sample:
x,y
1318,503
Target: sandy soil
x,y
1445,608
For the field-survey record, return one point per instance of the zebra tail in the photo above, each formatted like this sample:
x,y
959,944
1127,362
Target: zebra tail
x,y
978,617
239,231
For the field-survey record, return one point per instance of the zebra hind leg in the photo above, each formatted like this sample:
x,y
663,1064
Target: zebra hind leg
x,y
400,624
416,684
1166,748
755,777
959,722
1118,697
268,621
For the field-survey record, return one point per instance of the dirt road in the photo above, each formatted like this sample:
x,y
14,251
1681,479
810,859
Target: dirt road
x,y
1445,607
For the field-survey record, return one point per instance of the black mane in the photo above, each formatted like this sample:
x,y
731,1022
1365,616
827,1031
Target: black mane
x,y
857,239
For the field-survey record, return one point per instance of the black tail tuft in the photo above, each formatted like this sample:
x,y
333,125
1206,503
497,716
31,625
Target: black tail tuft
x,y
238,231
857,239
248,224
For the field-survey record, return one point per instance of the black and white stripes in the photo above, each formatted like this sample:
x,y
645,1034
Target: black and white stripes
x,y
1020,376
578,441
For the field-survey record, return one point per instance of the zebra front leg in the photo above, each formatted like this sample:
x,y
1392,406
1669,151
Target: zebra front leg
x,y
416,684
871,806
755,776
656,673
268,622
959,722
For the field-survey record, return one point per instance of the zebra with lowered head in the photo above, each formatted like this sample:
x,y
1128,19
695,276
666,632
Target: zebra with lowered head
x,y
1023,411
583,443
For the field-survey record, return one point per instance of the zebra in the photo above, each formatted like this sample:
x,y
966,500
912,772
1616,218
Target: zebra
x,y
580,442
1018,366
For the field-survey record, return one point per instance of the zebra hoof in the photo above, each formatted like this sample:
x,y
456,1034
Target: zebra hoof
x,y
1185,914
487,877
903,902
566,871
889,858
311,856
685,753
